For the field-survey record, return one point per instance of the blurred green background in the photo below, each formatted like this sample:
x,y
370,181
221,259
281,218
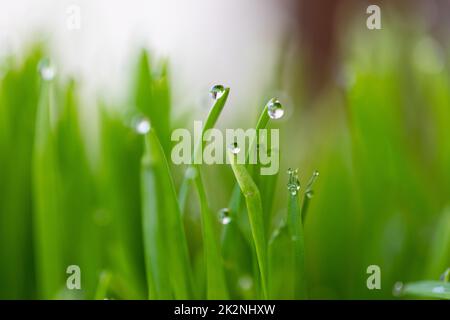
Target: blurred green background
x,y
377,131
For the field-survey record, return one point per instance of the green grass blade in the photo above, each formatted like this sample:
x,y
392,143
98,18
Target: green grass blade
x,y
19,90
282,274
47,211
152,97
215,274
440,246
165,241
120,197
255,213
211,120
295,227
308,195
236,198
427,289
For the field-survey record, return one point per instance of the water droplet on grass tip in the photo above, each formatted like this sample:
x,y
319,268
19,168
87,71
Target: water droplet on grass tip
x,y
309,194
46,70
217,91
275,109
234,148
224,216
398,289
293,183
142,125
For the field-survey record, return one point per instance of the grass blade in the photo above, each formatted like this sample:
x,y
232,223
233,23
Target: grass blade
x,y
152,97
255,213
47,217
211,120
427,289
295,228
166,249
19,90
215,274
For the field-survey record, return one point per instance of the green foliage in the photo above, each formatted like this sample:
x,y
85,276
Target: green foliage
x,y
108,199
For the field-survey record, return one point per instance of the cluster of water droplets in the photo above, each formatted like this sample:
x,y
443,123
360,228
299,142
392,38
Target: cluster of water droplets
x,y
293,184
224,216
275,109
46,69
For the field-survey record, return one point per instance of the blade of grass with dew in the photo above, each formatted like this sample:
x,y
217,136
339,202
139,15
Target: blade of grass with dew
x,y
211,120
165,241
295,228
104,283
308,195
236,198
427,289
255,212
215,274
47,207
281,272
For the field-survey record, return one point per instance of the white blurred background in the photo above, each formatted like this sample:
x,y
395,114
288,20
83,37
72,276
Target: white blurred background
x,y
229,42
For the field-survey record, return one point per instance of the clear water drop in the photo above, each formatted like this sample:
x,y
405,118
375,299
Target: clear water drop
x,y
309,194
398,289
191,173
46,69
293,184
275,109
245,282
224,216
217,91
142,125
234,148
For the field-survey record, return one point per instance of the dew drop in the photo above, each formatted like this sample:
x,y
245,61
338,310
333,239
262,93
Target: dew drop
x,y
234,148
275,109
217,91
191,173
398,289
293,183
46,69
142,125
245,282
224,216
